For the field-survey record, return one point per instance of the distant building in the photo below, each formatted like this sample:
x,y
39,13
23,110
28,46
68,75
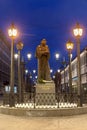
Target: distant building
x,y
4,60
83,57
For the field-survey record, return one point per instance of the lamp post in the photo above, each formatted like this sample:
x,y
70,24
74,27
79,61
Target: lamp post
x,y
19,48
78,31
69,46
29,58
57,55
64,65
12,32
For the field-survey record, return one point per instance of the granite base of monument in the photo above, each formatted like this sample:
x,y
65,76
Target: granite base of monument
x,y
45,94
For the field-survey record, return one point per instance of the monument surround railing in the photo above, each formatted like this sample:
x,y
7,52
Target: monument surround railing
x,y
44,100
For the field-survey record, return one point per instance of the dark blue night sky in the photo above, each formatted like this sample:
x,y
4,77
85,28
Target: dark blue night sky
x,y
50,19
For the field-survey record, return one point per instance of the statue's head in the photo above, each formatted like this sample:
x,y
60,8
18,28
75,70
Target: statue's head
x,y
43,42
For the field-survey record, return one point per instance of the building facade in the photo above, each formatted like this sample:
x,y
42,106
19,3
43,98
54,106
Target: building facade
x,y
65,73
4,60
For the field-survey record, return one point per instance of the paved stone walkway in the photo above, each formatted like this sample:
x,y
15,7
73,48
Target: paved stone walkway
x,y
43,123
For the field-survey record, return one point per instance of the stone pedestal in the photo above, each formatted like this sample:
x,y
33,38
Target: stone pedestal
x,y
47,87
45,94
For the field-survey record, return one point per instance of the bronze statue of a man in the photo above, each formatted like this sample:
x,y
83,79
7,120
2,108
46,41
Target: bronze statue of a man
x,y
43,55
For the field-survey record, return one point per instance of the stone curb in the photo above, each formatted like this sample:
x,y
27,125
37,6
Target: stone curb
x,y
43,112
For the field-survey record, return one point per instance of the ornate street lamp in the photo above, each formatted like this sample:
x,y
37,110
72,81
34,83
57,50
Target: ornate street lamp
x,y
16,56
19,48
29,56
34,71
69,46
58,70
12,32
53,76
51,71
78,31
36,77
26,71
57,56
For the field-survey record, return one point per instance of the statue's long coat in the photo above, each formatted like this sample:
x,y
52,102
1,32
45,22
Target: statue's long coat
x,y
43,54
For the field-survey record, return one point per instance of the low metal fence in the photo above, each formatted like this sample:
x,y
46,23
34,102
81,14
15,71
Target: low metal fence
x,y
42,100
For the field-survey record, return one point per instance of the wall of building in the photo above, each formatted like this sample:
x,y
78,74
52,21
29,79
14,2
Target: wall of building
x,y
83,58
4,60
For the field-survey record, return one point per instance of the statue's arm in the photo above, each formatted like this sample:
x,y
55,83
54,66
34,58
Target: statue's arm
x,y
38,52
48,52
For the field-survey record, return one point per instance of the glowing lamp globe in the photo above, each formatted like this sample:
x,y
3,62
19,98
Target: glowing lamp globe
x,y
69,45
78,31
12,31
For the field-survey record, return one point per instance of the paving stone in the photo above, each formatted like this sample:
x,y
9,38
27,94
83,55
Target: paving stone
x,y
43,123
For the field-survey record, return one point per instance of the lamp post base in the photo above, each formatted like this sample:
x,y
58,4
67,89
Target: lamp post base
x,y
79,101
11,100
